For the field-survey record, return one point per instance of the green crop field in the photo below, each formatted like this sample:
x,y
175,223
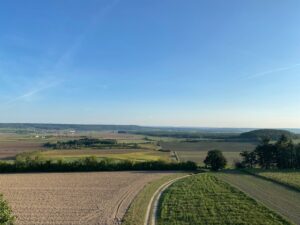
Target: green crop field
x,y
204,199
286,177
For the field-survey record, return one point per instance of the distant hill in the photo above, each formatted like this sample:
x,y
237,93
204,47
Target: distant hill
x,y
130,128
273,134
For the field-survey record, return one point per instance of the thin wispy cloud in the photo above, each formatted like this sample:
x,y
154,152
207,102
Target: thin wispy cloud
x,y
30,94
269,72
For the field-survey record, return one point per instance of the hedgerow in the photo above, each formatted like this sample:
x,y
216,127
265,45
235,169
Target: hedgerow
x,y
89,164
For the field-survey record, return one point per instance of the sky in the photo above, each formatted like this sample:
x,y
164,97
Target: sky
x,y
196,63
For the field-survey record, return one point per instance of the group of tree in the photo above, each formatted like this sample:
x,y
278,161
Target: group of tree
x,y
283,154
80,143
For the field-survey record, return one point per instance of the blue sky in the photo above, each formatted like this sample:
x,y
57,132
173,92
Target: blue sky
x,y
219,63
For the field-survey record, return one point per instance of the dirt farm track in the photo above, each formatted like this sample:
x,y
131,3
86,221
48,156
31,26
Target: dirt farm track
x,y
72,198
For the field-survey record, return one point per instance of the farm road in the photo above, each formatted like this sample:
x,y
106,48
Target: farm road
x,y
277,197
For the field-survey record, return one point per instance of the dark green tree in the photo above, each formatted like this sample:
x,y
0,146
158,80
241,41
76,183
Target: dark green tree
x,y
285,154
266,154
215,160
249,159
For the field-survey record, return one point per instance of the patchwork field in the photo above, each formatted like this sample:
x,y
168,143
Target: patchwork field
x,y
203,199
277,197
73,198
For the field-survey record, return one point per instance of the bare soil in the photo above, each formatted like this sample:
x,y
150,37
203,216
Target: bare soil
x,y
9,149
100,198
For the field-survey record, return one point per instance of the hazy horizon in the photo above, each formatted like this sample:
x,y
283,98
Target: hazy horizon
x,y
220,64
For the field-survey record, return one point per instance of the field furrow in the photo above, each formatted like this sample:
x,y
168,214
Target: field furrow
x,y
99,198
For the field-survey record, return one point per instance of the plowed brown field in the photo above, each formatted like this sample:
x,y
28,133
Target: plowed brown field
x,y
73,198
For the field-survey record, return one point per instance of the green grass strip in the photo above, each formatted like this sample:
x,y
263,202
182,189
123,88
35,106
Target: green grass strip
x,y
205,200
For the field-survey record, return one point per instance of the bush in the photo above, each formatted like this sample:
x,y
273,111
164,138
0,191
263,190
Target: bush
x,y
6,217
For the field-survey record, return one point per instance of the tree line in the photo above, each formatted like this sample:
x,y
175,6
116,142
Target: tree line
x,y
80,143
283,154
89,164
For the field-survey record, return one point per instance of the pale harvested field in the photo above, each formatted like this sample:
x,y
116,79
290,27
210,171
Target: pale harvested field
x,y
73,198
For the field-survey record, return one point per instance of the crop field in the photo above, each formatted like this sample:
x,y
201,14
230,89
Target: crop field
x,y
287,177
73,198
204,199
197,151
199,157
205,146
9,148
115,154
275,196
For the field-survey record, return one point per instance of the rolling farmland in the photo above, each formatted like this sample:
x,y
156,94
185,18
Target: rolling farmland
x,y
72,198
274,196
203,199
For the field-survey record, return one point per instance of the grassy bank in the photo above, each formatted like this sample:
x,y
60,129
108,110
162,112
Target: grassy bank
x,y
203,199
137,210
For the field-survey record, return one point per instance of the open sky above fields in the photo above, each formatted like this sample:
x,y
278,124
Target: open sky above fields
x,y
185,63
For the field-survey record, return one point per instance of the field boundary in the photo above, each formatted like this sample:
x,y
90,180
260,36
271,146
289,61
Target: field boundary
x,y
151,213
272,180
